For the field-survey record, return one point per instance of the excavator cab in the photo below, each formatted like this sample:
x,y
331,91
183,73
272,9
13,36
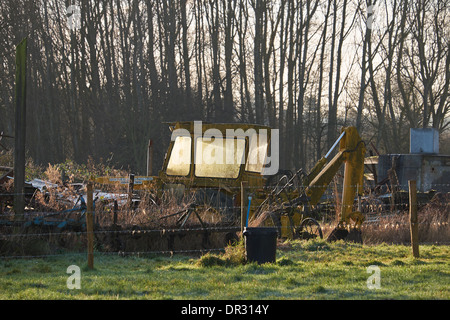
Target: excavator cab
x,y
216,155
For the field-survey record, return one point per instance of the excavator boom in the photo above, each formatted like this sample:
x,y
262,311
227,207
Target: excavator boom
x,y
289,214
351,154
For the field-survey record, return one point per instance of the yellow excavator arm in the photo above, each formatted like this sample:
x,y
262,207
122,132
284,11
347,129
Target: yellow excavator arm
x,y
351,154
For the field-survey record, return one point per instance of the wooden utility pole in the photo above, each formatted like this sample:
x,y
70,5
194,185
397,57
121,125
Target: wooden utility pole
x,y
20,126
414,225
90,223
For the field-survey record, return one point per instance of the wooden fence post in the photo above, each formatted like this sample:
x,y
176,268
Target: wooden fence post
x,y
90,224
150,158
414,225
243,204
130,189
20,130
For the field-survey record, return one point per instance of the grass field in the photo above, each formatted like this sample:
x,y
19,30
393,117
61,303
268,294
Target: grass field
x,y
304,270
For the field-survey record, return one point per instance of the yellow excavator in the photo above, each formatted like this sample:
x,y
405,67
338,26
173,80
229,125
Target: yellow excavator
x,y
285,200
292,214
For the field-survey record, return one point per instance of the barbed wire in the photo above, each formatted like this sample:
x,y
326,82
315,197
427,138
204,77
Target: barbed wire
x,y
152,252
368,206
119,253
392,225
169,231
329,189
330,185
378,209
364,202
163,231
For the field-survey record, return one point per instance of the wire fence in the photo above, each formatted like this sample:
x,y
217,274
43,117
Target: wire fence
x,y
131,229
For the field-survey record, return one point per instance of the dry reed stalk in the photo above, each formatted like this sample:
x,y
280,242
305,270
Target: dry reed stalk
x,y
433,219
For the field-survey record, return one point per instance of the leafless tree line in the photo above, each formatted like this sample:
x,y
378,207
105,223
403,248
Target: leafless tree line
x,y
305,67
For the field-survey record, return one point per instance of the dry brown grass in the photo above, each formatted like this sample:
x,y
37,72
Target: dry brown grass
x,y
150,212
55,198
433,219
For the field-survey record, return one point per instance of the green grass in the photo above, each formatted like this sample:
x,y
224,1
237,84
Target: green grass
x,y
304,270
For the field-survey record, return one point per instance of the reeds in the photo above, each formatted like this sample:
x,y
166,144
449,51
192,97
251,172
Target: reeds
x,y
433,219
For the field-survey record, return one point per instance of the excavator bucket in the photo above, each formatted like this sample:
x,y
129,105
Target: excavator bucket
x,y
337,234
354,235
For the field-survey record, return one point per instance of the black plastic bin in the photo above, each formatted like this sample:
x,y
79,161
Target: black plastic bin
x,y
261,244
